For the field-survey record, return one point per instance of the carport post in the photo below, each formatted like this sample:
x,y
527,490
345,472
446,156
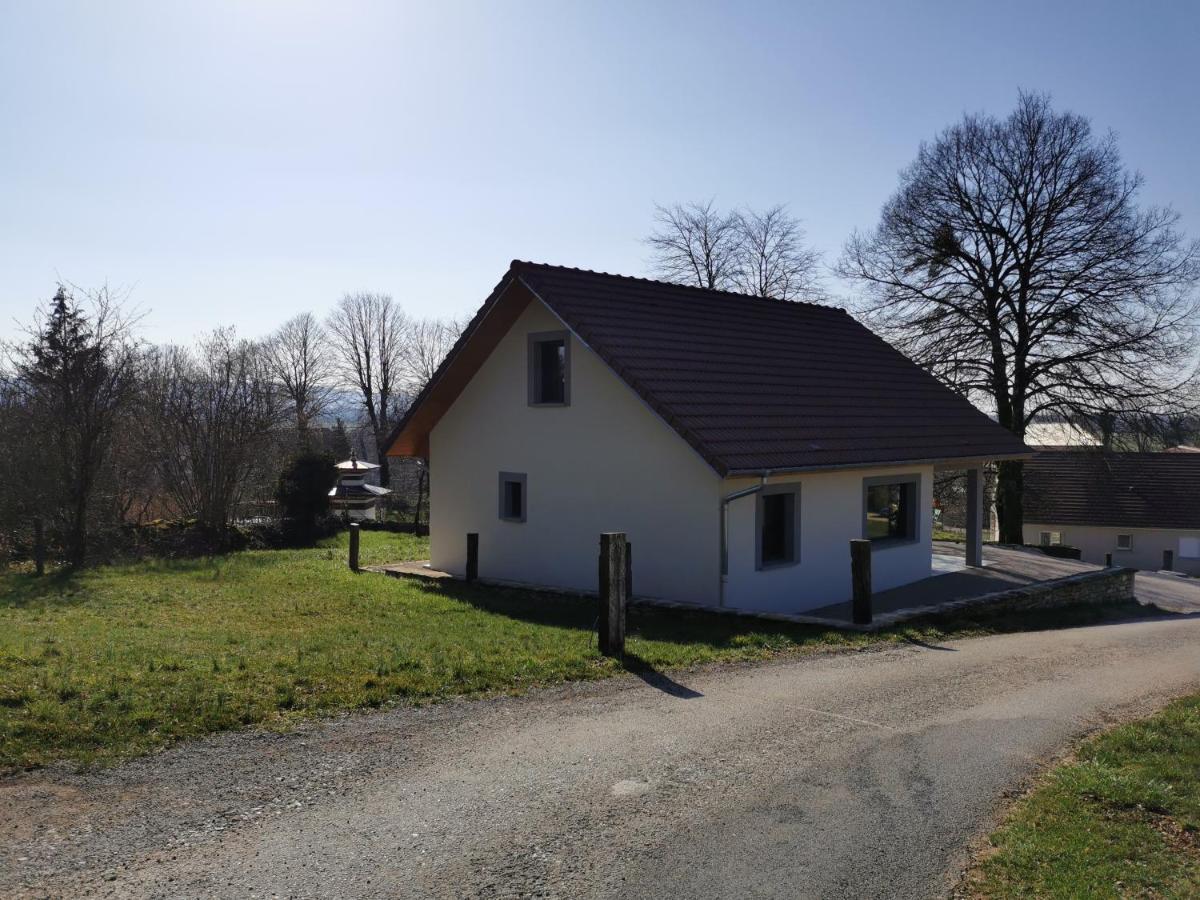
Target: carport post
x,y
472,557
353,546
614,576
860,574
975,517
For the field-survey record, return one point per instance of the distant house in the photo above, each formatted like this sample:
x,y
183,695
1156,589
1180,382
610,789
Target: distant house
x,y
1143,508
353,496
740,442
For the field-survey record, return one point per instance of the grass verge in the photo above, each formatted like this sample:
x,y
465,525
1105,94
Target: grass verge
x,y
120,660
1122,819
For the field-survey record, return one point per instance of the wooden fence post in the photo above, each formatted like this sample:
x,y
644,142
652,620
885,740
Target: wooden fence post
x,y
860,574
613,578
472,557
39,546
354,528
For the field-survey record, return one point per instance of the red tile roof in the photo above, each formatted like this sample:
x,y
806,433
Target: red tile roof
x,y
756,384
1121,490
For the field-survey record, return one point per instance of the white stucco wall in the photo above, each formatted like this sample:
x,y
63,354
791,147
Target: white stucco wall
x,y
831,511
604,463
1148,544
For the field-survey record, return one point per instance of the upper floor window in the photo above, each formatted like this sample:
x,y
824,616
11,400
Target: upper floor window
x,y
549,369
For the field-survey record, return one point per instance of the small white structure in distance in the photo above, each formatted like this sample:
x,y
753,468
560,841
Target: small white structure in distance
x,y
352,496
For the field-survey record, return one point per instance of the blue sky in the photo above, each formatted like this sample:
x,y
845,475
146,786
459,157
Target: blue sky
x,y
238,162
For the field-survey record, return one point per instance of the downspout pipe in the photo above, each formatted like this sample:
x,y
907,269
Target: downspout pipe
x,y
725,501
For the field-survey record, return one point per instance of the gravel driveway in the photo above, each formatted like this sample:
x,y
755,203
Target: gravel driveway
x,y
849,775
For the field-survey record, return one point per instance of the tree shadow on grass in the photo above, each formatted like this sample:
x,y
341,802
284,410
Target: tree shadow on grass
x,y
62,587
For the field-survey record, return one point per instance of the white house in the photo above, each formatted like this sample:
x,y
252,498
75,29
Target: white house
x,y
740,442
1142,508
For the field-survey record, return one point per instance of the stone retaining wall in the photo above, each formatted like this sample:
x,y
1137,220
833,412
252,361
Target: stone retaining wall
x,y
1103,586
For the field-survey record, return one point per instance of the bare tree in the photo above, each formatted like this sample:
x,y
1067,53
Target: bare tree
x,y
1015,264
771,258
696,244
758,253
426,345
75,376
368,334
210,416
299,360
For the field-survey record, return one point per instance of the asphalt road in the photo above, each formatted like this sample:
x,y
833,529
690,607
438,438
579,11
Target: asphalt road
x,y
850,775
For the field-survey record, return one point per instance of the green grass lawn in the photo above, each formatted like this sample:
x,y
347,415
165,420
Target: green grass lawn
x,y
122,659
1121,820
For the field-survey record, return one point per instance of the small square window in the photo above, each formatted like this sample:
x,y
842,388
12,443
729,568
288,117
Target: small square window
x,y
776,528
549,369
1050,538
512,497
1124,541
1189,548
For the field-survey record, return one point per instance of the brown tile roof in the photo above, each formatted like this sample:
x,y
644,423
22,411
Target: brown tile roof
x,y
1123,490
751,383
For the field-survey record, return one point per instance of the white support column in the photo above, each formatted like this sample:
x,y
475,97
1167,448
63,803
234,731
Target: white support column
x,y
975,517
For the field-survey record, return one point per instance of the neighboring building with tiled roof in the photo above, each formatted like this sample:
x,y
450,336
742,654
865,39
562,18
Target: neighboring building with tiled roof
x,y
578,402
1135,506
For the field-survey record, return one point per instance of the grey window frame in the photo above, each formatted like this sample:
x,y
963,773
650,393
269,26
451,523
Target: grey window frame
x,y
541,337
914,513
1125,549
793,526
1049,539
523,480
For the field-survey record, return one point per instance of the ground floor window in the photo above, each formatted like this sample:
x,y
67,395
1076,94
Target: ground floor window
x,y
1189,548
1050,538
512,496
1124,541
890,509
777,527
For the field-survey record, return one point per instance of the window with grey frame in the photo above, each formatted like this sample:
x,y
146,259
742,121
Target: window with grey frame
x,y
513,496
778,532
549,369
890,507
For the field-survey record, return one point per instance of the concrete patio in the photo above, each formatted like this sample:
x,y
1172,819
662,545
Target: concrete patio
x,y
952,580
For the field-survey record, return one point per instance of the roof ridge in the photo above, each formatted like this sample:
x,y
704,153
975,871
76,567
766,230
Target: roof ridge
x,y
516,263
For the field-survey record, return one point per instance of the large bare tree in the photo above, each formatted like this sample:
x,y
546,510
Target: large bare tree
x,y
758,253
299,359
368,333
1015,264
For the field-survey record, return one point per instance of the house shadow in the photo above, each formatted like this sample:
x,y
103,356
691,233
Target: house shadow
x,y
575,612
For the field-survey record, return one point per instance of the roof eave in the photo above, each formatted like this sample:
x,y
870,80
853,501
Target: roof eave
x,y
876,464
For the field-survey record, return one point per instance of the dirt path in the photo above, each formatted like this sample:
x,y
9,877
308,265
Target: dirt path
x,y
849,775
